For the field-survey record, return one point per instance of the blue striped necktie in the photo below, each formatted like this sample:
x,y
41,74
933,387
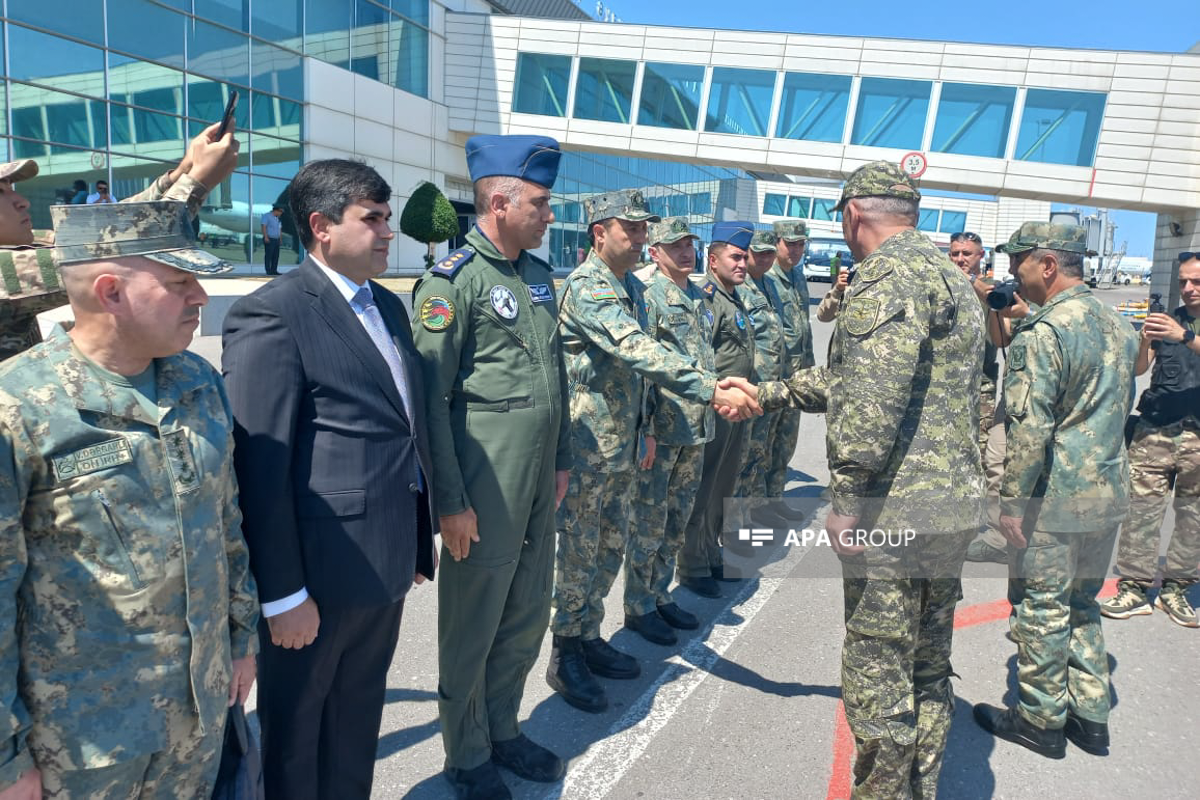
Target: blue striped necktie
x,y
377,330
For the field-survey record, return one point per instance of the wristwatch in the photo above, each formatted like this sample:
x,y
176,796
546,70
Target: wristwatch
x,y
1188,335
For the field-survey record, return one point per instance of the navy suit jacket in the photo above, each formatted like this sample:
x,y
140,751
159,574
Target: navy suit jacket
x,y
327,458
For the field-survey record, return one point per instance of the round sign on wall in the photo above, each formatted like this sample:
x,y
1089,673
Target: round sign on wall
x,y
914,164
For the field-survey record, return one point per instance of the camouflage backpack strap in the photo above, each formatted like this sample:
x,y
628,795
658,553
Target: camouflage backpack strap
x,y
28,271
449,266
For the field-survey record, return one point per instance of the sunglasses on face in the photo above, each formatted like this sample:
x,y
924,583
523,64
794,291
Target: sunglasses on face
x,y
1187,257
968,237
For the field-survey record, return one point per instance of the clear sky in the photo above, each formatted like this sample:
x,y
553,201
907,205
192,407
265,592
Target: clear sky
x,y
1171,26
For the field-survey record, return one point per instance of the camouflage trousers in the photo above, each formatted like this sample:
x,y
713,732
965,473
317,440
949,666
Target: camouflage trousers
x,y
760,439
1061,661
663,501
593,525
899,605
783,447
1162,458
186,770
996,446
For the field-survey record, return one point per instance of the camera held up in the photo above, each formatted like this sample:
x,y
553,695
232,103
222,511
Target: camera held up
x,y
1003,295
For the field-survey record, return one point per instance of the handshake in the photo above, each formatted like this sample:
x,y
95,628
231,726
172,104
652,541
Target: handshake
x,y
736,399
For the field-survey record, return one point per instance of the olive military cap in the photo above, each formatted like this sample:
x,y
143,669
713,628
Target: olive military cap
x,y
878,179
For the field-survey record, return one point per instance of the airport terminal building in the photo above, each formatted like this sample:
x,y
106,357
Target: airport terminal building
x,y
709,124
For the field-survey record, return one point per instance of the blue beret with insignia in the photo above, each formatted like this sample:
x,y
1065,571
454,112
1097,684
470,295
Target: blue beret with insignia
x,y
737,234
531,158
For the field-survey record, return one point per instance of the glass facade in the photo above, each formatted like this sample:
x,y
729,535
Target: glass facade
x,y
953,222
739,101
1060,127
813,107
604,90
973,120
542,82
891,113
671,96
91,95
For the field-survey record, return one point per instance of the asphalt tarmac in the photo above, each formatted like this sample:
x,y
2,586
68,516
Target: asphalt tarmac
x,y
749,706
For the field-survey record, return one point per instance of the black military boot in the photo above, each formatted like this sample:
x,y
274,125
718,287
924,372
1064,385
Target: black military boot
x,y
652,627
606,661
1091,737
568,675
1006,723
704,586
676,617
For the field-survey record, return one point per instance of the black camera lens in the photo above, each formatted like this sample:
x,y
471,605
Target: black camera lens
x,y
1002,295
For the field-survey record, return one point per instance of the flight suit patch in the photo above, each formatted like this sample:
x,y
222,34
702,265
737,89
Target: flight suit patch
x,y
437,313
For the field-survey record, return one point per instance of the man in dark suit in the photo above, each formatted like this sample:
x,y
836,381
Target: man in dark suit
x,y
332,459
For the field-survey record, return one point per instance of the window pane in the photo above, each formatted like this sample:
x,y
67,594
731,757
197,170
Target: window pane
x,y
129,21
973,120
278,21
701,203
218,53
813,107
145,84
953,222
206,104
798,207
671,96
275,116
416,10
929,219
1060,127
276,70
604,90
83,20
271,156
231,13
823,209
773,204
677,205
132,174
266,192
327,31
38,56
740,101
410,48
225,225
891,113
542,84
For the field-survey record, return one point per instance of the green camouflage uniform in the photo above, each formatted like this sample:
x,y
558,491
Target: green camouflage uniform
x,y
29,281
487,331
122,556
733,346
1164,456
770,364
608,353
797,338
902,397
1067,394
666,493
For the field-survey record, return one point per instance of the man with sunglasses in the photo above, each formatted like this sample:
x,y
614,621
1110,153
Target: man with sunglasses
x,y
101,195
1164,452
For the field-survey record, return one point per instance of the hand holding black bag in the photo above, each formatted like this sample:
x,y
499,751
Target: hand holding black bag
x,y
240,775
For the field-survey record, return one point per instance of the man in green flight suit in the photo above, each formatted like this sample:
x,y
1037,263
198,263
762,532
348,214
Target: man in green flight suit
x,y
1065,491
676,432
701,562
902,395
486,325
608,353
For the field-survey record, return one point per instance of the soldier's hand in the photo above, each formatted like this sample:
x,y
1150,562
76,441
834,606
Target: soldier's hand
x,y
843,280
244,671
1011,527
1162,327
458,531
736,399
562,478
651,448
295,628
840,528
1018,310
27,787
212,160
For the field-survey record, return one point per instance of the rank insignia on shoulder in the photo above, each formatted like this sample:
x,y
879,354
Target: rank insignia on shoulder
x,y
453,262
708,289
604,294
1016,357
436,313
540,293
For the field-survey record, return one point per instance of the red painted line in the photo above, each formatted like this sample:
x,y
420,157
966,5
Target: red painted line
x,y
1092,185
843,739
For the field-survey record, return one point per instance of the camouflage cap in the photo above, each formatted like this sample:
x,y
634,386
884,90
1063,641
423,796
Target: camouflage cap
x,y
878,179
619,205
18,170
1048,235
764,242
669,231
161,230
791,230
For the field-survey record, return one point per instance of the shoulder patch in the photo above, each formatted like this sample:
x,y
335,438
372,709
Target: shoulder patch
x,y
860,315
1016,356
436,313
604,294
709,289
453,262
873,269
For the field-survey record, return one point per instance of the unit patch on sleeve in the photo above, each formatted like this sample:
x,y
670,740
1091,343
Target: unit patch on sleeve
x,y
436,313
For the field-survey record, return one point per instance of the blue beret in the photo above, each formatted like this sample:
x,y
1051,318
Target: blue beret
x,y
532,158
737,234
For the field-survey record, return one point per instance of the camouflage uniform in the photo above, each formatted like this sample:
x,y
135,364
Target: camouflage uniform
x,y
770,364
901,394
792,290
1066,474
608,353
666,493
733,345
29,281
1164,454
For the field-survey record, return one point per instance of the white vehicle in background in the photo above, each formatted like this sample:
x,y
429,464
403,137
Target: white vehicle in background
x,y
818,255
